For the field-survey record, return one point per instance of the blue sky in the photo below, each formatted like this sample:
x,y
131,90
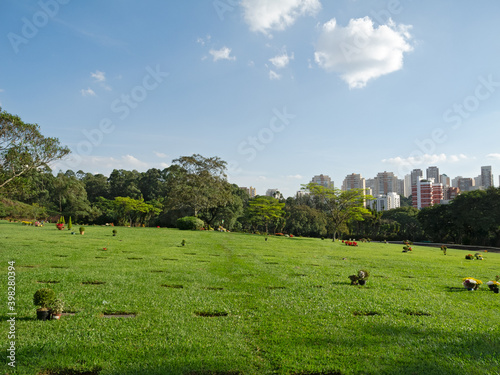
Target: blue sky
x,y
283,90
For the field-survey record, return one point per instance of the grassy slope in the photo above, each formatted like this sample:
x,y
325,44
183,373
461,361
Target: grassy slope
x,y
289,303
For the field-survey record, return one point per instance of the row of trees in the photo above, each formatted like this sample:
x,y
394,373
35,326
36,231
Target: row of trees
x,y
196,185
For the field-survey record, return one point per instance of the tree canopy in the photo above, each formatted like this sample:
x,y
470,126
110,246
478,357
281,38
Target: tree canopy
x,y
23,148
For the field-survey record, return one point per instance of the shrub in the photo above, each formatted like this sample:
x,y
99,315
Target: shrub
x,y
44,297
189,223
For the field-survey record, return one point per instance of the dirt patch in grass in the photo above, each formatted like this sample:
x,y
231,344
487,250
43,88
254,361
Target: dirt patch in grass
x,y
365,313
61,256
317,373
48,282
170,259
317,286
101,257
211,314
314,265
417,313
203,261
214,255
119,314
175,286
272,263
213,288
298,275
93,282
189,253
28,266
61,267
70,371
159,271
208,372
134,258
276,287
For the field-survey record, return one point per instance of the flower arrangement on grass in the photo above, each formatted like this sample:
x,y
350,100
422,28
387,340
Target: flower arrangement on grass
x,y
478,256
471,283
493,285
351,243
469,256
359,278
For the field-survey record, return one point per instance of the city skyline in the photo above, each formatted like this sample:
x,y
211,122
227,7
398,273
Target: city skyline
x,y
282,90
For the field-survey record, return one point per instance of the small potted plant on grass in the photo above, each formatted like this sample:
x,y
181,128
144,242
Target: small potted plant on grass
x,y
443,249
82,231
60,223
469,257
114,232
471,283
359,278
43,298
494,285
57,308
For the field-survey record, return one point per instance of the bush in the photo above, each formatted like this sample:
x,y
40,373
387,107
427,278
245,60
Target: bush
x,y
189,223
44,297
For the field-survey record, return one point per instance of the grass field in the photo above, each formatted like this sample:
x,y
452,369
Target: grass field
x,y
229,303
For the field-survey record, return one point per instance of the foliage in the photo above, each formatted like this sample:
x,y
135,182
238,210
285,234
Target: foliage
x,y
201,184
82,229
57,306
264,210
23,148
134,211
305,221
44,297
189,223
341,207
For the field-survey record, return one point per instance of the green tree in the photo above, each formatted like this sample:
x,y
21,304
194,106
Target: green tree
x,y
200,184
303,220
341,207
134,211
23,148
265,210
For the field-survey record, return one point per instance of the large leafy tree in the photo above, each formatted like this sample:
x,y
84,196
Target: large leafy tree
x,y
264,210
200,185
341,207
23,148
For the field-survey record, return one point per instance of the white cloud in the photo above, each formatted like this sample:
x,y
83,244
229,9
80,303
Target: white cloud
x,y
281,61
202,41
222,54
493,156
360,52
87,92
295,177
273,75
264,15
164,165
160,154
425,159
99,76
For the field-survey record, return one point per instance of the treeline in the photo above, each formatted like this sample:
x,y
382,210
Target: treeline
x,y
197,186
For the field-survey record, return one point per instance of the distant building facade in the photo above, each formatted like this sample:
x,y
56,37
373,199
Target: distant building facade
x,y
323,180
385,202
426,193
353,181
433,172
251,191
486,177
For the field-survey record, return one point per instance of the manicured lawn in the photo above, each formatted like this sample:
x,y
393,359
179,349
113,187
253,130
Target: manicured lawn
x,y
284,306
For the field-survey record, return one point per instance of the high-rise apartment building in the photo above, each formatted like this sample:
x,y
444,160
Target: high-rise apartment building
x,y
353,181
445,180
465,184
415,174
407,186
433,172
323,180
426,193
486,177
251,191
385,182
385,202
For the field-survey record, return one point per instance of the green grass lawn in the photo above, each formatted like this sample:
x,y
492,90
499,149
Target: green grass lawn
x,y
284,306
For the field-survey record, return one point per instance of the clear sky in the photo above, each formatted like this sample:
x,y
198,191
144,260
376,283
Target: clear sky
x,y
282,89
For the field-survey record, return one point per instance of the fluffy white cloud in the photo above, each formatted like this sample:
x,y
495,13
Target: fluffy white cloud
x,y
87,92
360,52
493,156
99,76
160,154
264,15
425,159
281,61
222,54
273,75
